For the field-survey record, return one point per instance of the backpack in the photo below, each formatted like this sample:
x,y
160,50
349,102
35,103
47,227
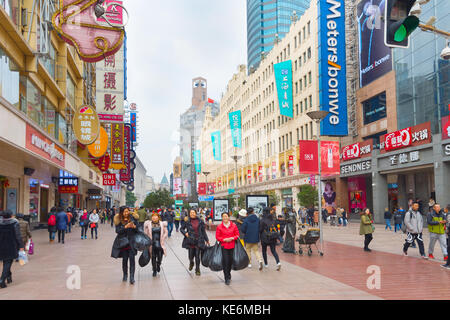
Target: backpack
x,y
271,233
52,221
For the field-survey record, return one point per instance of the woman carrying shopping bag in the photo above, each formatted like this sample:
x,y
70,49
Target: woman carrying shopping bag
x,y
157,232
227,233
93,223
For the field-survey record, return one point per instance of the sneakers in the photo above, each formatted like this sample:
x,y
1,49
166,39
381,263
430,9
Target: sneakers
x,y
431,256
260,265
249,265
197,272
266,266
425,257
227,282
445,266
278,266
367,250
191,266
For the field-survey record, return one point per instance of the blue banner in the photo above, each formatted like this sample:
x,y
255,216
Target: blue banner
x,y
217,145
133,126
332,67
283,79
197,161
236,128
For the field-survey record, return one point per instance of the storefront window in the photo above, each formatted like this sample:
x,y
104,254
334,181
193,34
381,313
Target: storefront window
x,y
50,116
70,90
9,79
33,103
34,199
62,129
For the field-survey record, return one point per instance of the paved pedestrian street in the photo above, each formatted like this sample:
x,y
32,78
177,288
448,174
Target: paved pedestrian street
x,y
340,274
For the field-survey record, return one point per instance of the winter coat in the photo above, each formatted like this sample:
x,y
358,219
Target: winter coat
x,y
187,227
387,215
61,221
366,225
239,222
250,228
84,220
414,222
93,218
10,239
130,233
164,233
25,231
398,218
267,221
222,232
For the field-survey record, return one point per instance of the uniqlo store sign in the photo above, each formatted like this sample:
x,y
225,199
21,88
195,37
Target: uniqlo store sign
x,y
109,179
408,137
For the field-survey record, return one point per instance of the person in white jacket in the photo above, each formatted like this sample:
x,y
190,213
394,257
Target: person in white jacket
x,y
93,223
157,231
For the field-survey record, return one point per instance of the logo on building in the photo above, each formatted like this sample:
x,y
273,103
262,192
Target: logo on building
x,y
47,148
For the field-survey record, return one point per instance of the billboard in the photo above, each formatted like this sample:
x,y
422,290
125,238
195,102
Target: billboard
x,y
375,58
216,144
332,67
236,128
283,79
197,161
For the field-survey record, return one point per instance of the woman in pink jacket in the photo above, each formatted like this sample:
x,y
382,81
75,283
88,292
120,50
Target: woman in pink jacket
x,y
157,231
227,232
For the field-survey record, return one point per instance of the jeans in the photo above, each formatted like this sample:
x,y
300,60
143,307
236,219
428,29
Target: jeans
x,y
410,239
227,261
170,228
52,235
344,222
92,233
61,234
272,249
69,228
6,269
128,255
442,241
398,226
388,224
252,247
367,239
84,231
194,253
177,224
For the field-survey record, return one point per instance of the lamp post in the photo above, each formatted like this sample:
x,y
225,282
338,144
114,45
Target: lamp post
x,y
318,116
206,176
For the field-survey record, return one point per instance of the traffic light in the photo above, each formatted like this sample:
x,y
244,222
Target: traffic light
x,y
399,23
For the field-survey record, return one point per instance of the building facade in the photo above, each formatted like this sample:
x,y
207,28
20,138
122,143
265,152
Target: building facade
x,y
140,182
265,20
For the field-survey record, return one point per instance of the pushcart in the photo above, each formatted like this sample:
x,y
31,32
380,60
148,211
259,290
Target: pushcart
x,y
306,240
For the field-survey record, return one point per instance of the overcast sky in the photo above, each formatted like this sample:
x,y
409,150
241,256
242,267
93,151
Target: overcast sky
x,y
170,43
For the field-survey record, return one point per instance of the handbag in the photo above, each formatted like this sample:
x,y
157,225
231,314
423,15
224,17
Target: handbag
x,y
141,241
144,258
215,263
31,247
240,257
121,242
206,256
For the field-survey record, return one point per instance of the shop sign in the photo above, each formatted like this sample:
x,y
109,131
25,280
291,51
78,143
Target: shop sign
x,y
411,136
283,80
86,125
68,189
356,167
291,166
403,158
249,176
100,146
446,127
274,170
357,150
94,38
67,183
125,174
447,150
44,147
102,163
260,172
109,179
117,146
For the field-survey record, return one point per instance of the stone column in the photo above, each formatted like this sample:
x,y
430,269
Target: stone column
x,y
280,204
342,193
295,202
380,196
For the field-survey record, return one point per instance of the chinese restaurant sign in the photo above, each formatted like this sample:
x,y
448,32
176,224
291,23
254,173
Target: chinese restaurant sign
x,y
357,150
94,38
100,146
446,126
110,88
411,136
283,79
86,125
117,146
125,174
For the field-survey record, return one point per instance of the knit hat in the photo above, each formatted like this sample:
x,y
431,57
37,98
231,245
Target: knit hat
x,y
243,213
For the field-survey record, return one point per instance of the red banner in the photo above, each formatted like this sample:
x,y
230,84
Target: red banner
x,y
330,163
412,136
357,150
291,166
102,163
309,163
260,172
201,188
67,189
125,174
249,176
109,179
398,139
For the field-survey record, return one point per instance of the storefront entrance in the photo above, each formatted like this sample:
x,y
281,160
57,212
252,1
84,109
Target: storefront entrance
x,y
44,210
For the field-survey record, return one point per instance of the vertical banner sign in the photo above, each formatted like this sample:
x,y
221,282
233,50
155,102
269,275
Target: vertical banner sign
x,y
216,144
309,162
133,123
249,176
274,170
283,79
260,172
110,87
125,174
117,144
330,161
235,126
197,161
332,67
291,166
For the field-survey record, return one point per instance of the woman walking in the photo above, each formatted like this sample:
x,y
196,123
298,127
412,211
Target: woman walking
x,y
61,224
51,224
387,219
366,228
269,236
93,223
84,223
157,232
195,239
123,246
10,244
227,233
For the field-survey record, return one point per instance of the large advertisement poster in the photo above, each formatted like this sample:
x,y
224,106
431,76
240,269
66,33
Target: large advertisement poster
x,y
11,200
257,202
309,163
357,193
283,79
330,161
220,206
332,67
329,196
375,58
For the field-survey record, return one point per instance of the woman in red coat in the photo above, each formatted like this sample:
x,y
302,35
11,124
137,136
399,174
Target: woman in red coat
x,y
226,233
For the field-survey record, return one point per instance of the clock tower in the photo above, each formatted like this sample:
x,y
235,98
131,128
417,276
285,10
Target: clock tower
x,y
199,92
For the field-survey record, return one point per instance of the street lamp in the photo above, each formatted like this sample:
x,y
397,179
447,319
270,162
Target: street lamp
x,y
236,158
206,176
318,116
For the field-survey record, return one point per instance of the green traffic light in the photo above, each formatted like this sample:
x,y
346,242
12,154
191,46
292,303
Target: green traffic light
x,y
406,28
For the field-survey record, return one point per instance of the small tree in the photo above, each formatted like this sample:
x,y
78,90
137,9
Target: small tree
x,y
307,196
130,199
273,198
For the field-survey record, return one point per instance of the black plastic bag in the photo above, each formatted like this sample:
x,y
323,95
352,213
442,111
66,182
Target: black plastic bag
x,y
141,241
145,258
215,262
240,257
206,256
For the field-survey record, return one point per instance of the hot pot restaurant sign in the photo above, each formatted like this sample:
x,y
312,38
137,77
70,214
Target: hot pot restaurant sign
x,y
94,38
86,124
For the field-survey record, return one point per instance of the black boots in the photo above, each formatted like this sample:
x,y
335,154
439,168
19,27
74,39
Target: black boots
x,y
9,278
132,278
3,284
191,265
125,277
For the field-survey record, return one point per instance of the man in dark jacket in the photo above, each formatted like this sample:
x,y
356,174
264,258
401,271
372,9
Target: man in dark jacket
x,y
250,228
10,243
61,224
169,216
387,219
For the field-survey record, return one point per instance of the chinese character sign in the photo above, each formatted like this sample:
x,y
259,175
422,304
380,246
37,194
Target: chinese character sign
x,y
110,87
133,122
217,146
260,173
100,145
236,128
86,125
117,146
125,174
283,79
398,139
351,152
67,183
197,161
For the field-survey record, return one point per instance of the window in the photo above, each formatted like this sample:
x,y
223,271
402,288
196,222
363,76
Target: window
x,y
298,134
296,109
309,53
295,41
304,57
70,92
306,104
283,144
50,116
290,138
49,62
374,108
304,80
304,33
295,65
302,131
61,129
301,106
310,102
300,84
33,102
296,88
279,144
309,28
9,80
311,126
306,131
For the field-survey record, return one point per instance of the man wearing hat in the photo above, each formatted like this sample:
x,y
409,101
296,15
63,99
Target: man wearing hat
x,y
240,220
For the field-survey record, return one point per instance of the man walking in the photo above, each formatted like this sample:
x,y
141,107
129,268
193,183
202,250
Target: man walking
x,y
250,228
142,216
169,216
61,224
387,219
414,227
436,225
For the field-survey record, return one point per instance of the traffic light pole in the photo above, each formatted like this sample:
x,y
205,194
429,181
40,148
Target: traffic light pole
x,y
426,27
